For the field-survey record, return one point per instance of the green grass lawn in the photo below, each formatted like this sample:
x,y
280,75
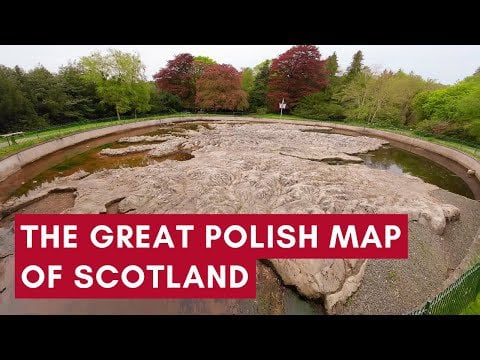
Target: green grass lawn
x,y
473,308
34,138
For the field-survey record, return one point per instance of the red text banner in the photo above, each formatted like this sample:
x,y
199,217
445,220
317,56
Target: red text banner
x,y
185,255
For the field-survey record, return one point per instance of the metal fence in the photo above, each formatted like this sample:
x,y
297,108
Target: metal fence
x,y
454,299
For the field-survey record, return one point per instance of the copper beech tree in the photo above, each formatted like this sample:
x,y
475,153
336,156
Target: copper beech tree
x,y
297,72
219,88
178,78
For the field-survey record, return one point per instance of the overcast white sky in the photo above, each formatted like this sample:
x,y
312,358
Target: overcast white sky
x,y
445,63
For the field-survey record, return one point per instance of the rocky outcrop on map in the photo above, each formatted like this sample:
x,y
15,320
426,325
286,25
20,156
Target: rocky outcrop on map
x,y
140,139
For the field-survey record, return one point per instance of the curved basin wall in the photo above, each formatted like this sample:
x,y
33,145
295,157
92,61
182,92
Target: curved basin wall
x,y
15,162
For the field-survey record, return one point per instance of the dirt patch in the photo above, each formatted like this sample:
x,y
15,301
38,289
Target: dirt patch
x,y
460,234
89,162
55,202
402,286
270,292
177,156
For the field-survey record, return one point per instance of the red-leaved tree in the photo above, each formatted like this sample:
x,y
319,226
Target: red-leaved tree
x,y
219,88
294,74
178,78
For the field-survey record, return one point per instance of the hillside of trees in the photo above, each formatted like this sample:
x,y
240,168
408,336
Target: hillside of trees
x,y
113,84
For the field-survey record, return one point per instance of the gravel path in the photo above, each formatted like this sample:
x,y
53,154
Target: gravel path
x,y
401,286
459,234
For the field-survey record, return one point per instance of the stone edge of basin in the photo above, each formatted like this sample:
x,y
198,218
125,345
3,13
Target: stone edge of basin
x,y
15,162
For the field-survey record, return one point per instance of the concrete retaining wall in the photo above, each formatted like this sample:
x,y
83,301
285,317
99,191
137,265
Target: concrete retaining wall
x,y
15,162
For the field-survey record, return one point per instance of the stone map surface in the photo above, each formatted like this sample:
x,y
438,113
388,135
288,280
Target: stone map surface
x,y
258,168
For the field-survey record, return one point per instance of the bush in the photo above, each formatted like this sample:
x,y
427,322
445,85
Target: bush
x,y
452,112
319,106
321,111
262,110
390,122
474,131
438,128
463,131
165,103
33,123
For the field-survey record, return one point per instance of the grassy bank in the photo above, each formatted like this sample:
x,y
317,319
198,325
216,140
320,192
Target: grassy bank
x,y
473,308
38,137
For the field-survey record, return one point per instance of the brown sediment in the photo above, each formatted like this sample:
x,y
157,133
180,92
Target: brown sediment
x,y
55,201
177,156
89,161
25,178
270,292
30,171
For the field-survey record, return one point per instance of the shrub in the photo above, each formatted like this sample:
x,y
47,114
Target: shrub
x,y
319,106
474,131
262,110
165,103
464,131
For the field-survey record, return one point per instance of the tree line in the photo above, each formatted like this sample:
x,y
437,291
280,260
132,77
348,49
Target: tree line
x,y
113,84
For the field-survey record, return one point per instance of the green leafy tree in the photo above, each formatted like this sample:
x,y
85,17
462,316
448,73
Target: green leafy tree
x,y
355,67
16,110
140,97
332,69
452,111
319,106
46,93
118,76
355,96
164,103
81,99
204,60
258,93
247,79
385,97
456,103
